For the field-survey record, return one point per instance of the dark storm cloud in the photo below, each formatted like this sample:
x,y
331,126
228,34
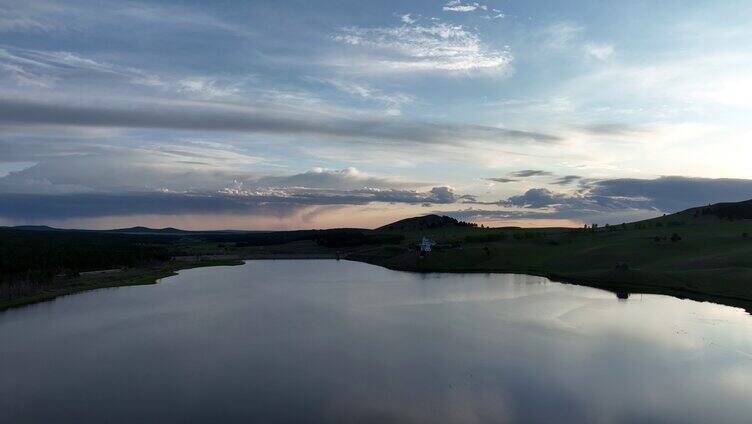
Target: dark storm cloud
x,y
213,117
540,198
566,180
615,200
23,206
525,173
89,205
672,193
339,179
600,217
614,129
666,194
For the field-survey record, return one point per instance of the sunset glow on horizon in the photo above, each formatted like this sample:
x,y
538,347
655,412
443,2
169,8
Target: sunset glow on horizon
x,y
288,115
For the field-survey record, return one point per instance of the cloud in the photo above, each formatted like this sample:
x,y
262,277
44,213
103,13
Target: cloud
x,y
206,87
574,217
338,179
683,85
190,166
44,69
538,198
281,203
392,101
608,201
217,117
501,180
63,69
135,182
437,195
567,36
567,179
416,48
101,168
525,173
45,16
459,6
561,35
599,51
32,207
674,193
496,14
614,129
408,19
28,16
466,7
619,200
664,194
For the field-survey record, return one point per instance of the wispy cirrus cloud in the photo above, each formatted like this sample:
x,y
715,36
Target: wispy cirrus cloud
x,y
392,101
569,37
438,47
560,35
29,16
44,16
62,69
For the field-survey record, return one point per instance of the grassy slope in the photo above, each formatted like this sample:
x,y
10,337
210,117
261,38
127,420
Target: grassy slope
x,y
711,262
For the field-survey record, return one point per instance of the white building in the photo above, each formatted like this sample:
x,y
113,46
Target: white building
x,y
425,245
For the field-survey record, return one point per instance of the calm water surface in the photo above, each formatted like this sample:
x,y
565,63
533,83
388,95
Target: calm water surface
x,y
328,341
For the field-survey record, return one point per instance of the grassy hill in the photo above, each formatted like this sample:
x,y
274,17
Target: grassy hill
x,y
426,222
703,253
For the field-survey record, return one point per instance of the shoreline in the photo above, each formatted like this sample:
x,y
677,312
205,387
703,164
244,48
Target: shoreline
x,y
132,277
138,277
628,288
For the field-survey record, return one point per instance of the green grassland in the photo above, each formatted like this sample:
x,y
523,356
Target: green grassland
x,y
712,261
703,254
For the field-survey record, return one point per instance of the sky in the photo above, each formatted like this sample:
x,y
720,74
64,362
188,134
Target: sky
x,y
320,114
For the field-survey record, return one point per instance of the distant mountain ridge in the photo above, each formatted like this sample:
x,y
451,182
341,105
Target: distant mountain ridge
x,y
147,230
138,230
726,210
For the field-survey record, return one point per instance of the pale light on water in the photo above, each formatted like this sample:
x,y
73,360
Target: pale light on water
x,y
322,341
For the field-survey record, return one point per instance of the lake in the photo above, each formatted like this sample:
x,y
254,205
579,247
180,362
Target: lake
x,y
337,341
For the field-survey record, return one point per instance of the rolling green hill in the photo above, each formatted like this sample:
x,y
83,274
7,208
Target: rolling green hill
x,y
704,253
